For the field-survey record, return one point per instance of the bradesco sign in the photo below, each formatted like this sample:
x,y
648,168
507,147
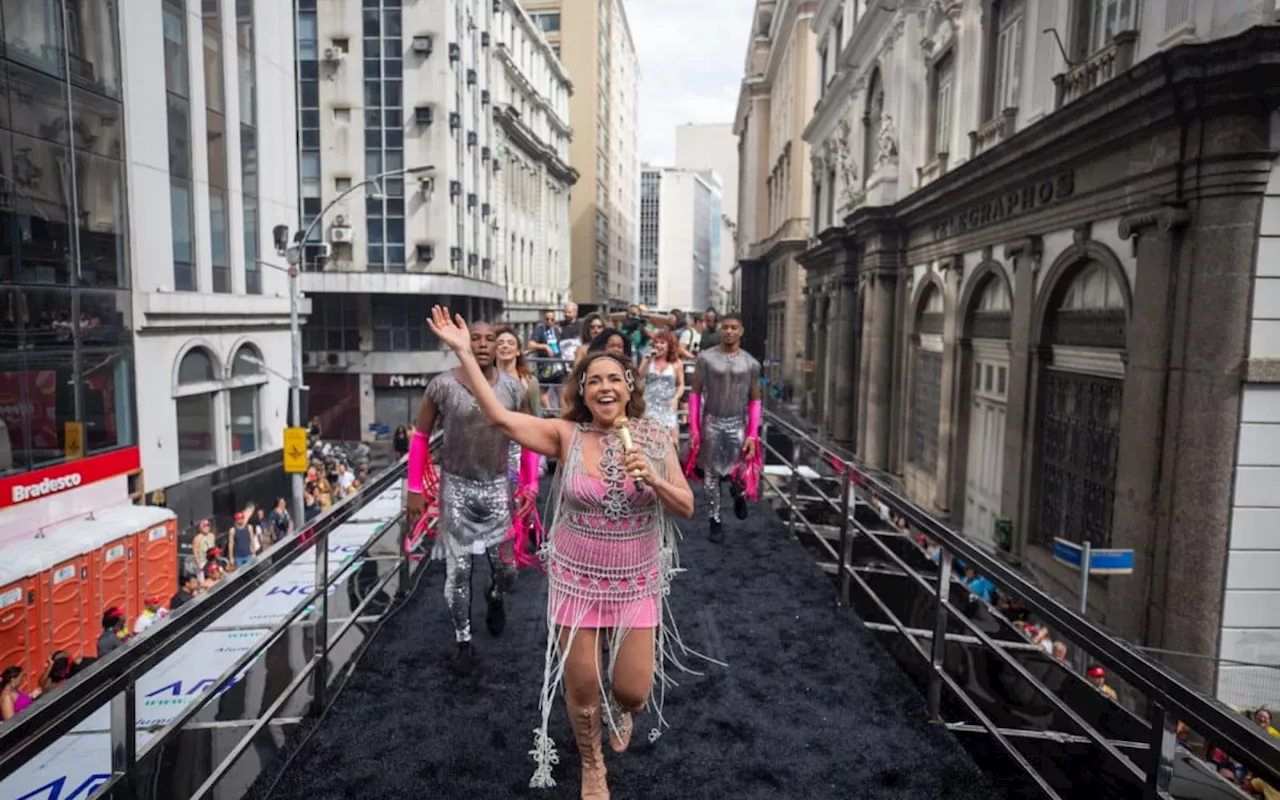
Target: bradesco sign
x,y
50,481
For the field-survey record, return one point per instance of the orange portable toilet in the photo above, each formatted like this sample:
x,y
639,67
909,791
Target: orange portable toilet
x,y
154,564
67,602
21,644
108,544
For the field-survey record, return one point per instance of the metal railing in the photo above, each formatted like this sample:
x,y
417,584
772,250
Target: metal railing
x,y
823,484
112,680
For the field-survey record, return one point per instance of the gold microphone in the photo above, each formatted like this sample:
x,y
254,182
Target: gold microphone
x,y
624,433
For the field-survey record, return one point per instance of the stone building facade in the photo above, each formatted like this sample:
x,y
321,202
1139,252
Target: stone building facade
x,y
774,105
1067,330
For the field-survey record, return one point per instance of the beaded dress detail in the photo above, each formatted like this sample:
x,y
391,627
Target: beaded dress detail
x,y
610,557
659,391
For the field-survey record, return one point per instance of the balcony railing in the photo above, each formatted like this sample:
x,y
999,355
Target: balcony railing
x,y
992,132
1097,69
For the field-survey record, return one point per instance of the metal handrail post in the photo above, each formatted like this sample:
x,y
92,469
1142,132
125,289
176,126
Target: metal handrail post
x,y
320,650
938,651
124,737
792,511
1163,750
846,541
403,565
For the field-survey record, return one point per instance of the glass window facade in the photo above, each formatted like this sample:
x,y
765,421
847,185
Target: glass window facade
x,y
65,343
248,75
384,134
309,131
215,97
650,240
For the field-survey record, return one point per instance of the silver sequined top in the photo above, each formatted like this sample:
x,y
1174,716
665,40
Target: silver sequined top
x,y
659,389
473,447
726,381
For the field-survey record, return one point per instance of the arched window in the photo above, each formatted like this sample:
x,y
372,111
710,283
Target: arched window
x,y
197,386
246,420
926,384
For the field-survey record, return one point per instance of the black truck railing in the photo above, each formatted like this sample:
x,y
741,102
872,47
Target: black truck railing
x,y
112,680
1150,763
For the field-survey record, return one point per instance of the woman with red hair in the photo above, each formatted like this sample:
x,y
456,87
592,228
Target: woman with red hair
x,y
663,378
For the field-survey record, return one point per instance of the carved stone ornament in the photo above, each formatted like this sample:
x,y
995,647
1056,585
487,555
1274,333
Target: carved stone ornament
x,y
844,161
818,163
1164,219
886,141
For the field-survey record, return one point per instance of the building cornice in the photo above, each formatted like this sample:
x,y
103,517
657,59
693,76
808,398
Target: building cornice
x,y
522,137
516,74
535,33
824,16
798,13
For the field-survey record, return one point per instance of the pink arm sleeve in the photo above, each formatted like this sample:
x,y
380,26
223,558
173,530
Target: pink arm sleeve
x,y
529,462
419,455
695,433
753,419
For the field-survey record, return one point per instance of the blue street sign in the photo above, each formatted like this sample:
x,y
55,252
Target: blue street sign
x,y
1101,562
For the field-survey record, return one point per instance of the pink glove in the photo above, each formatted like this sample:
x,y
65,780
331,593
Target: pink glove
x,y
695,434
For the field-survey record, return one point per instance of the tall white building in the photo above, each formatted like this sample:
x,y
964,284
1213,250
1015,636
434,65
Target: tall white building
x,y
454,93
714,147
1047,298
140,331
532,139
678,224
622,109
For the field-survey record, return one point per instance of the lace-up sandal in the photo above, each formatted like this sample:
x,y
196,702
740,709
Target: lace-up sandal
x,y
586,723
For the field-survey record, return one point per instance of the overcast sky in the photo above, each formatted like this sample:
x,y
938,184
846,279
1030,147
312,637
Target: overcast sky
x,y
692,54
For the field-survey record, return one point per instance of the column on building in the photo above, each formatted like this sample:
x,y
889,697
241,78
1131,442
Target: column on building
x,y
1023,256
878,328
844,406
953,273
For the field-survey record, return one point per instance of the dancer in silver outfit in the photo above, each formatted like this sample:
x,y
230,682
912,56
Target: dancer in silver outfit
x,y
475,493
723,408
663,383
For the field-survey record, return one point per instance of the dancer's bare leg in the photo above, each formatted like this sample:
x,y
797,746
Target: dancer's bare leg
x,y
631,684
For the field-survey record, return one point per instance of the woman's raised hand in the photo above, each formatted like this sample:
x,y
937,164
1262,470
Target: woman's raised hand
x,y
452,332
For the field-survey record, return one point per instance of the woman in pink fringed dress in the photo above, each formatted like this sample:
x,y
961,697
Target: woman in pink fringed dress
x,y
609,557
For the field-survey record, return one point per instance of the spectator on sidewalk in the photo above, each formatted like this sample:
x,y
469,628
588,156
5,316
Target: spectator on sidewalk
x,y
204,541
115,631
153,613
1098,679
240,542
188,587
279,523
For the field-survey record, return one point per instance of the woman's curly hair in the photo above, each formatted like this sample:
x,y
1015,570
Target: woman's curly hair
x,y
575,409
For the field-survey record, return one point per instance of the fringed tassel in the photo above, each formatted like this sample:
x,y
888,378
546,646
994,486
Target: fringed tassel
x,y
746,474
424,478
526,534
545,755
695,434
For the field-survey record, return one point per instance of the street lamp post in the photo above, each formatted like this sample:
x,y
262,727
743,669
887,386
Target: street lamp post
x,y
294,254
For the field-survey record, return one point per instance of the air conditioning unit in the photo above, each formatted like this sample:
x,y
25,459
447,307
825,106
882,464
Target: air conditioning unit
x,y
484,210
455,51
497,6
333,55
335,360
472,139
423,45
341,235
497,164
471,200
455,254
486,264
472,259
484,97
484,154
471,77
424,115
455,188
426,253
485,39
455,120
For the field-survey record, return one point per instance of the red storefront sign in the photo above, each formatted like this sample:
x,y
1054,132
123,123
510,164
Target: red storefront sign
x,y
49,481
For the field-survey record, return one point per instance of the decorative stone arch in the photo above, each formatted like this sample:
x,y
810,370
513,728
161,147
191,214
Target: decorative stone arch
x,y
971,295
219,370
1058,278
939,26
228,369
919,296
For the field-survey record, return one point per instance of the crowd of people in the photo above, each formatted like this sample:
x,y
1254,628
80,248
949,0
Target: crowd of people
x,y
610,553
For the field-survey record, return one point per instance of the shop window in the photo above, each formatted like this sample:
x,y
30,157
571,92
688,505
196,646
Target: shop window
x,y
195,409
245,400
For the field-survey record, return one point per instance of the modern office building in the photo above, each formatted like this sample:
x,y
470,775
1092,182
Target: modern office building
x,y
440,99
714,148
774,193
1044,294
678,226
593,40
158,284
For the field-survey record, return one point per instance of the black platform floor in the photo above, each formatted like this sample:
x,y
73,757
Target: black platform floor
x,y
810,706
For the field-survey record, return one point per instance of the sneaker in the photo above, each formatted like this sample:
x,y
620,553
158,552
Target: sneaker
x,y
464,660
739,501
715,533
495,619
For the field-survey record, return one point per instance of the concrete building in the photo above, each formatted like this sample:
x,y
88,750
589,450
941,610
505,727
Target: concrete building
x,y
593,40
678,224
714,148
1044,294
774,105
470,91
159,285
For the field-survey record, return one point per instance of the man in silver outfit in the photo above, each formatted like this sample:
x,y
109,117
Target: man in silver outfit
x,y
475,491
727,380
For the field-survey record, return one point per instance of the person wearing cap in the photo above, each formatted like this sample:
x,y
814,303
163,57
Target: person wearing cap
x,y
1098,678
214,568
115,631
240,541
153,613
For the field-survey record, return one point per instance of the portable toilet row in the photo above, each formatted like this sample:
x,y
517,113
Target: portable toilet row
x,y
55,588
